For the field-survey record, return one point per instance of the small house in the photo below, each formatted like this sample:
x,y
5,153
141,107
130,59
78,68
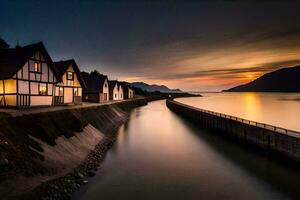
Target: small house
x,y
69,91
27,76
113,90
97,88
121,92
127,90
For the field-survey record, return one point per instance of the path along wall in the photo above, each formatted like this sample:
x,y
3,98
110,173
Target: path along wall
x,y
283,141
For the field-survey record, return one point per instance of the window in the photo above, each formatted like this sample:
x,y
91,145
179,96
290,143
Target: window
x,y
37,67
70,75
105,85
76,92
61,91
115,95
43,89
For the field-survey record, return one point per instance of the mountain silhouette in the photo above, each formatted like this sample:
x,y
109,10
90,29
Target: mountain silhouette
x,y
154,87
282,80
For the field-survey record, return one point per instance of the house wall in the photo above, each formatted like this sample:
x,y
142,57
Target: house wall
x,y
41,100
69,87
130,93
121,93
68,95
10,100
8,92
105,91
66,82
116,93
28,81
91,97
10,86
1,87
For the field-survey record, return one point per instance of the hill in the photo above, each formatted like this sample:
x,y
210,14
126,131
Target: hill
x,y
282,80
154,88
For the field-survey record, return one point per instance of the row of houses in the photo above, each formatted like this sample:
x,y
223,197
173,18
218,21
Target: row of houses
x,y
29,77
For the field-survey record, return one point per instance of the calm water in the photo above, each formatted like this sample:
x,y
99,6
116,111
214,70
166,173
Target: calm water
x,y
158,155
278,109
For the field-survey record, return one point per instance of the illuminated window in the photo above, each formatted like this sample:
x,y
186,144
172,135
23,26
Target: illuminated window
x,y
70,75
37,67
76,92
43,89
61,92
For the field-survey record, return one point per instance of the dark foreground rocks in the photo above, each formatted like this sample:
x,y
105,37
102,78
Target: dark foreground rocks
x,y
63,188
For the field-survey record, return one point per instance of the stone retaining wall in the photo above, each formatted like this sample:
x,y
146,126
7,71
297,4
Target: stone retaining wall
x,y
271,140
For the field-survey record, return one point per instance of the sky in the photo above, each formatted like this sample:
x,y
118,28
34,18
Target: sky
x,y
191,45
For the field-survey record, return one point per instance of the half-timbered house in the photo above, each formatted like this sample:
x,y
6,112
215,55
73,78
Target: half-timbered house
x,y
27,76
69,91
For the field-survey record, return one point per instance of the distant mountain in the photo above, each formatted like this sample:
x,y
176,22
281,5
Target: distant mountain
x,y
282,80
154,87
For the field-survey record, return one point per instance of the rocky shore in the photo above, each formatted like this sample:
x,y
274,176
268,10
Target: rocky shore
x,y
62,188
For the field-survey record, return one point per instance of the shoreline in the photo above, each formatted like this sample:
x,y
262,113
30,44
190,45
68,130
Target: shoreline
x,y
63,186
275,141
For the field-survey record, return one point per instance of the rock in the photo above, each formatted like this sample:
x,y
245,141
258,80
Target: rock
x,y
80,175
91,173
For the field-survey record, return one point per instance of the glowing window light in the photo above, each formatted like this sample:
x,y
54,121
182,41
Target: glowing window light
x,y
43,89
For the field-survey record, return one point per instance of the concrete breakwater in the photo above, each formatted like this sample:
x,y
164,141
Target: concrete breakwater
x,y
282,141
53,151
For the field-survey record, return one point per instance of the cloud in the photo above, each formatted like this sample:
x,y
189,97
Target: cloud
x,y
229,72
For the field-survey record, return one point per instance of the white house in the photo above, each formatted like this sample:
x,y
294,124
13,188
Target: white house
x,y
128,92
131,93
97,87
113,90
70,89
27,76
121,92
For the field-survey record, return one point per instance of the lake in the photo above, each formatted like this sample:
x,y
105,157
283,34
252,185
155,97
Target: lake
x,y
159,155
277,109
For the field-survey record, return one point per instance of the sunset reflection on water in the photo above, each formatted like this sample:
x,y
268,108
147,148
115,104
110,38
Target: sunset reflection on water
x,y
278,109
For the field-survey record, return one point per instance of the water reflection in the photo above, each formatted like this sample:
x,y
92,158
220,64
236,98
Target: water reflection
x,y
278,109
158,155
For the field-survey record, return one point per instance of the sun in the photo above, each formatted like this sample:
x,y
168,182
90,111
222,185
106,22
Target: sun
x,y
250,76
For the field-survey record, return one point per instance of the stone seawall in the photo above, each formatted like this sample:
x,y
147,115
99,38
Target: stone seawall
x,y
275,139
52,148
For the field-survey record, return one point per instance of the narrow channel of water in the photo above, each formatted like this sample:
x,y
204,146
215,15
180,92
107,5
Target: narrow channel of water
x,y
159,155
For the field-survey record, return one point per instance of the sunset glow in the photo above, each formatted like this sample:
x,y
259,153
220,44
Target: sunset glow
x,y
182,45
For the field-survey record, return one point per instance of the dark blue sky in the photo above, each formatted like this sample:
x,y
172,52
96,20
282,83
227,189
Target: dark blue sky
x,y
194,45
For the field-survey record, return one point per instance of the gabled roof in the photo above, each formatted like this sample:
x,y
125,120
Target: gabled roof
x,y
94,81
125,86
112,84
13,59
62,67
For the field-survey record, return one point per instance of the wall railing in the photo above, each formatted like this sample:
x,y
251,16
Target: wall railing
x,y
245,121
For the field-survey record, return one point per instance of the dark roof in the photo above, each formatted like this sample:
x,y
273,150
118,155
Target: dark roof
x,y
112,84
13,59
94,81
125,86
62,67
